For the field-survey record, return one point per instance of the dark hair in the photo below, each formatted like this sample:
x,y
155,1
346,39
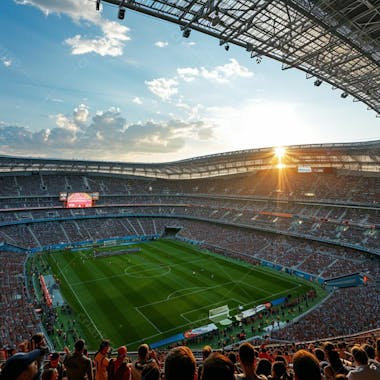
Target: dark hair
x,y
104,343
305,366
143,351
47,374
150,372
232,356
320,354
369,350
79,345
247,353
359,355
218,367
264,367
180,364
278,369
335,361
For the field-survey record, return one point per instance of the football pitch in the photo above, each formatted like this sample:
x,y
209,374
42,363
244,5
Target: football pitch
x,y
165,288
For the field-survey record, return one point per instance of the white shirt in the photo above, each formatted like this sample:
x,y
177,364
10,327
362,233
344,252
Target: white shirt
x,y
364,372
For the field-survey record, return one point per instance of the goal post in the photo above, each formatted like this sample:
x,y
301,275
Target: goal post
x,y
219,314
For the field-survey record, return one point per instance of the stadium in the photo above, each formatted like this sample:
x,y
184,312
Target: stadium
x,y
277,246
310,211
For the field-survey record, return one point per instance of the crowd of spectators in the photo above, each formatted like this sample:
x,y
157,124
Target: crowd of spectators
x,y
320,360
339,209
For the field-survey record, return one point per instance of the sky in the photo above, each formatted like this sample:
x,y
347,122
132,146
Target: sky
x,y
76,83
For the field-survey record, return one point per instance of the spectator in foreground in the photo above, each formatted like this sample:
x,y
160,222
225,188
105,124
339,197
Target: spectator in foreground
x,y
218,367
78,366
247,361
101,360
56,364
180,364
150,372
335,365
49,374
206,351
362,370
264,367
22,366
279,371
306,366
118,369
143,360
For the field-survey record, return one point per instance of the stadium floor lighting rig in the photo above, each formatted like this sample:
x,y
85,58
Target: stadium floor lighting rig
x,y
336,41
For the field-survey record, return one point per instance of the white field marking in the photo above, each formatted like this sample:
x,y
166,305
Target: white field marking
x,y
148,320
149,267
201,289
124,273
252,286
79,301
178,327
278,293
181,290
98,279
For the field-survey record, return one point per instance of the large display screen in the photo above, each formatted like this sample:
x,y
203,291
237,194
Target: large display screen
x,y
79,200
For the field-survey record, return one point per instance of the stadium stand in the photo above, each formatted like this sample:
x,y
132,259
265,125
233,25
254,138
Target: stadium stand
x,y
325,224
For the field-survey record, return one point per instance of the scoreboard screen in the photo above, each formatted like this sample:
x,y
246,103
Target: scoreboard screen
x,y
78,200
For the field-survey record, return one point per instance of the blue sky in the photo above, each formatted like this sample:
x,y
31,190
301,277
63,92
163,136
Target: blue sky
x,y
76,83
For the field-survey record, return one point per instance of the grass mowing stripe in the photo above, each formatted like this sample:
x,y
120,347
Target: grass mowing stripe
x,y
165,288
79,301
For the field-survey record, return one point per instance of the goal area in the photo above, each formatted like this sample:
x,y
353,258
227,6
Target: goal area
x,y
219,314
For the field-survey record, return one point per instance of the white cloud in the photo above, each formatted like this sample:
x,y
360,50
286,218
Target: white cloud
x,y
222,74
6,61
81,114
219,74
161,44
137,100
188,74
106,135
163,88
114,34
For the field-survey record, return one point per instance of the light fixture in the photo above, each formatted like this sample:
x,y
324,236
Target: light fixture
x,y
121,12
186,33
226,47
317,82
259,58
344,95
97,5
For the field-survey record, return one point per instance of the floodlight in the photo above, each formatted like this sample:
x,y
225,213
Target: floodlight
x,y
344,95
186,33
317,83
121,13
227,47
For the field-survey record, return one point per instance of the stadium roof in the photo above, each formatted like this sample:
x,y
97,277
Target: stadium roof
x,y
360,157
333,41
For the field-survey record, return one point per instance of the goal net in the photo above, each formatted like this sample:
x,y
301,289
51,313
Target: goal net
x,y
219,314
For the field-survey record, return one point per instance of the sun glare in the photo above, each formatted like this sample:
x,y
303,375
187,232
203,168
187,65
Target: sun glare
x,y
279,152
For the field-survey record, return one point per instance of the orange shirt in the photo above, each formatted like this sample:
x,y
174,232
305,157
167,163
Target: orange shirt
x,y
101,364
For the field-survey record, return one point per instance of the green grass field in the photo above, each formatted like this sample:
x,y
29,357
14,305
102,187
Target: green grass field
x,y
166,288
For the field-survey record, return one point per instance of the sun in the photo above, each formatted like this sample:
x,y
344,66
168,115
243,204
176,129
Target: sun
x,y
279,152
